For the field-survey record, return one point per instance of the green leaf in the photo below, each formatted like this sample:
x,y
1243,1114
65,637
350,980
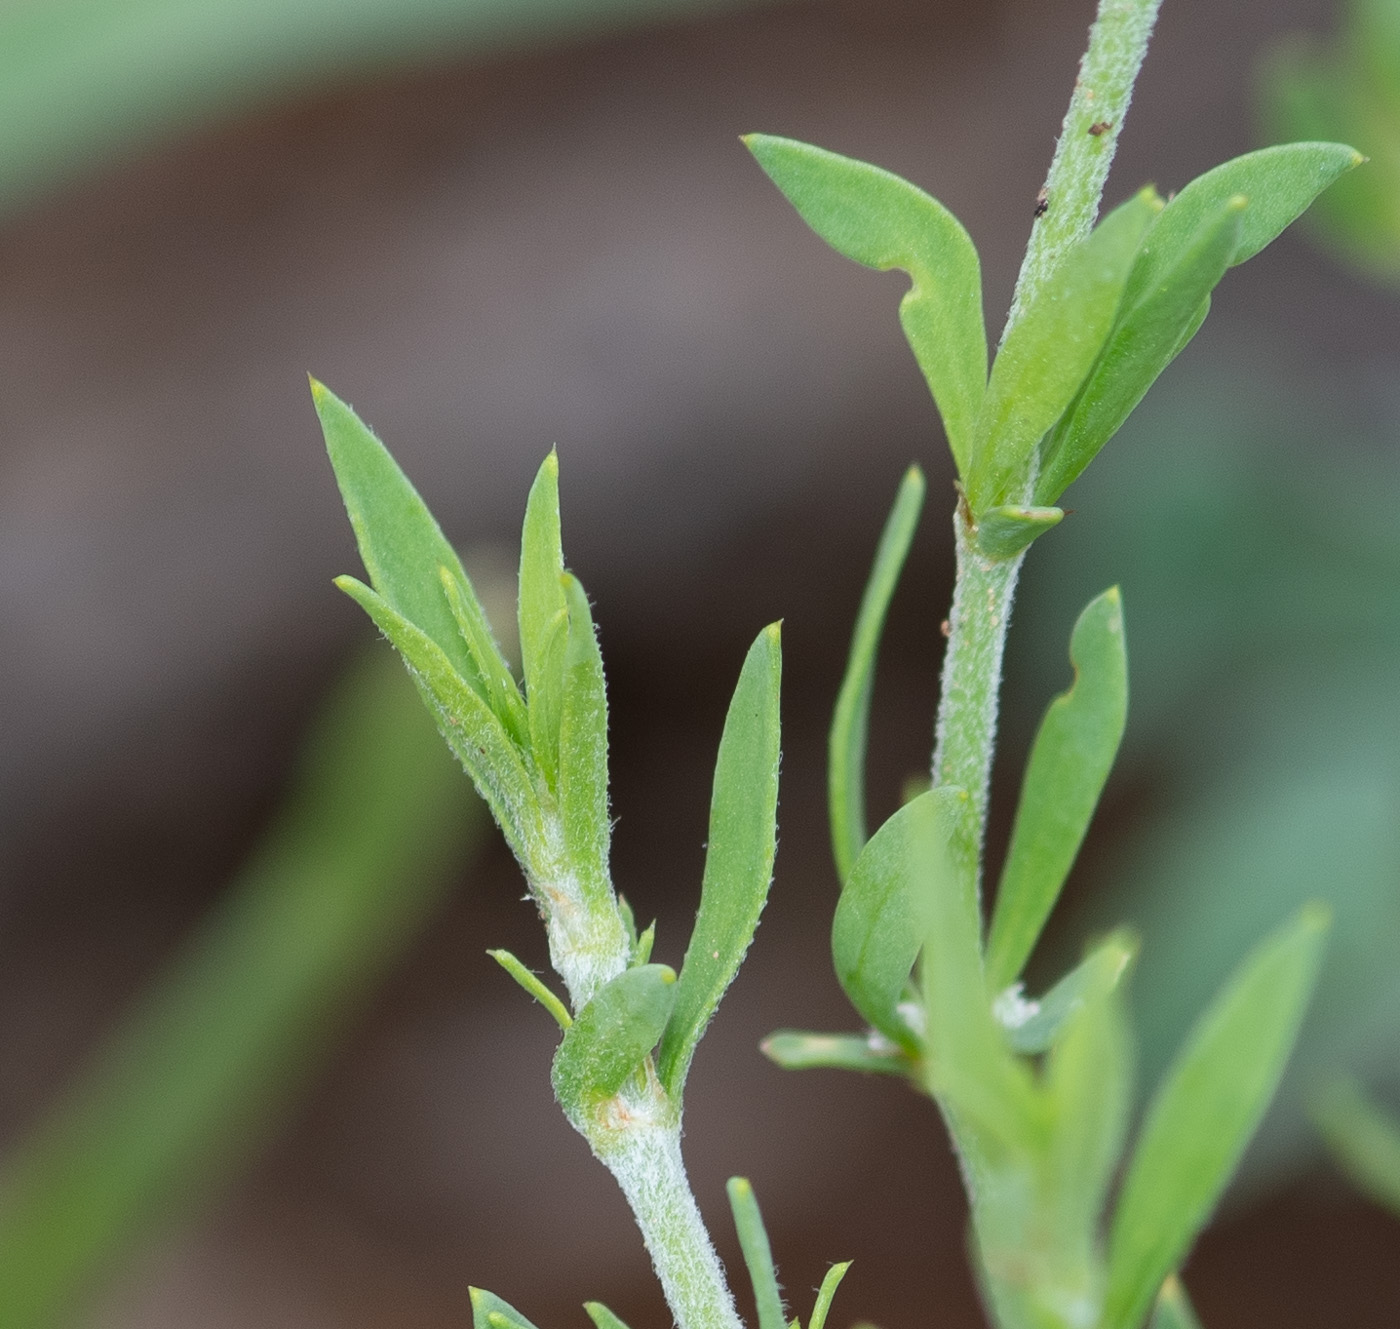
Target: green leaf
x,y
502,691
1005,531
1174,1309
851,723
1068,766
611,1036
400,544
1205,1111
1147,338
826,1293
532,984
739,860
1049,352
795,1050
543,613
1364,1140
1279,182
466,721
583,751
758,1256
1033,1027
490,1312
884,222
875,935
601,1316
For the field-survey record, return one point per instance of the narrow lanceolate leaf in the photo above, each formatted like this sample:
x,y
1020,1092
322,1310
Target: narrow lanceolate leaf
x,y
851,723
543,611
826,1293
583,751
400,543
490,1312
795,1050
739,859
1032,1027
1147,338
466,721
611,1036
501,689
884,222
1068,766
758,1255
1279,182
1205,1111
532,984
1048,354
1174,1309
1364,1141
601,1316
875,935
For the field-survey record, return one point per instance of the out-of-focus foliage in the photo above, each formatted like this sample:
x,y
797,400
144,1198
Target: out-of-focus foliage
x,y
1364,1139
84,79
1263,579
1349,89
212,1054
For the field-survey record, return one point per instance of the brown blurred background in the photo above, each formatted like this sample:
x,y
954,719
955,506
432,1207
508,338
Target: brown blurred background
x,y
562,242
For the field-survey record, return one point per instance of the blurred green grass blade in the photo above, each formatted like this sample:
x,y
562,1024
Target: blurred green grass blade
x,y
1069,764
1279,182
796,1050
1089,981
1144,342
471,729
1205,1111
601,1316
826,1293
583,751
611,1035
850,724
739,859
543,614
202,1068
1174,1309
490,1312
400,543
1048,354
883,222
758,1255
87,80
1364,1140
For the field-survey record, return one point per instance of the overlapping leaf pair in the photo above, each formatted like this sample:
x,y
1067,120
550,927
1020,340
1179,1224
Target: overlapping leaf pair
x,y
1080,356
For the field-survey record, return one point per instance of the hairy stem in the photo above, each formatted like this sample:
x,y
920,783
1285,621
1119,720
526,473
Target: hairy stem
x,y
1088,140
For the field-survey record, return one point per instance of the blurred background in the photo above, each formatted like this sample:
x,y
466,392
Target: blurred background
x,y
500,225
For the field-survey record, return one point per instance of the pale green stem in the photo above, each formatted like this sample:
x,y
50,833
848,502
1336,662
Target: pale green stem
x,y
1088,140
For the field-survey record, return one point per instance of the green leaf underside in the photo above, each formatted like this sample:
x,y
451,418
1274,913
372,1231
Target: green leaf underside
x,y
1364,1141
758,1255
796,1050
543,614
883,222
875,935
583,751
967,1063
400,543
532,984
601,1316
1095,976
1205,1111
490,1312
476,737
1069,764
1146,339
1048,354
611,1036
851,722
1174,1309
826,1293
739,859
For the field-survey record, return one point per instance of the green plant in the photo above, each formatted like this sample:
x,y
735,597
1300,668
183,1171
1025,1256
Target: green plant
x,y
1036,1094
